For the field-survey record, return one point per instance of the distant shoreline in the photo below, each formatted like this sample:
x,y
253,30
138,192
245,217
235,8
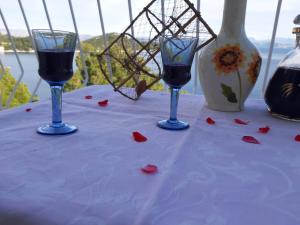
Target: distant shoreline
x,y
20,51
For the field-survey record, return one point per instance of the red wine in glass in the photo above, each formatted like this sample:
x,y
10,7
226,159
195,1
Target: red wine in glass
x,y
55,65
177,56
55,51
177,75
283,93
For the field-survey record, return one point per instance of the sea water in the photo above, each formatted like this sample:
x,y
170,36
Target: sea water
x,y
31,76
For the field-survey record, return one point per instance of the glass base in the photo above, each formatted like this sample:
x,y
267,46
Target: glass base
x,y
173,124
50,129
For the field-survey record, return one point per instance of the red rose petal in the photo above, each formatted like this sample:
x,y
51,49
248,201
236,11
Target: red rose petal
x,y
250,139
210,121
150,169
28,109
297,137
103,103
264,130
238,121
138,137
88,97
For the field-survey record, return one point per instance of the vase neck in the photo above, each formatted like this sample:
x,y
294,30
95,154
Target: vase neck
x,y
233,23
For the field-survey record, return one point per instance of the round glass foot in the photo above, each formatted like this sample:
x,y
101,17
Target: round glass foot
x,y
172,124
57,130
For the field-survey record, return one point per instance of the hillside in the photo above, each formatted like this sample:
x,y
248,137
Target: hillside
x,y
24,43
98,41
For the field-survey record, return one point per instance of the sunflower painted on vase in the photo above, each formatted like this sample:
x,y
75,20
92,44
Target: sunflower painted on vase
x,y
229,66
228,59
254,68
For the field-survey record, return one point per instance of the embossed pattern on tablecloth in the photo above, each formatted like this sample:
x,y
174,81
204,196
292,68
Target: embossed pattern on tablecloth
x,y
206,175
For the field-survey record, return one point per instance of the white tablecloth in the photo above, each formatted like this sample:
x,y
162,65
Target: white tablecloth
x,y
206,175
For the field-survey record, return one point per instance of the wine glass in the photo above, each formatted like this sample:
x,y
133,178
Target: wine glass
x,y
177,57
55,50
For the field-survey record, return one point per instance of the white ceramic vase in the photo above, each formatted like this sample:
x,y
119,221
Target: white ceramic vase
x,y
229,65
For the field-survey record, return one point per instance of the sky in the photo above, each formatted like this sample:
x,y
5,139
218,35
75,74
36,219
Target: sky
x,y
259,17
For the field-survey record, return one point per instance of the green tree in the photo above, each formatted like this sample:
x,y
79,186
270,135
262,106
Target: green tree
x,y
7,84
95,74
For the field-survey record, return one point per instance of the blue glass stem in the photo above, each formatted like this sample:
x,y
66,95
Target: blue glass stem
x,y
56,93
174,104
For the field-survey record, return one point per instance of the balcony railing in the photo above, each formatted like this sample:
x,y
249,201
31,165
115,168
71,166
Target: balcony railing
x,y
103,25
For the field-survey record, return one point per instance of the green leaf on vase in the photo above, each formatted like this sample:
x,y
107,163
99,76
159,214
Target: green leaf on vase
x,y
228,93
